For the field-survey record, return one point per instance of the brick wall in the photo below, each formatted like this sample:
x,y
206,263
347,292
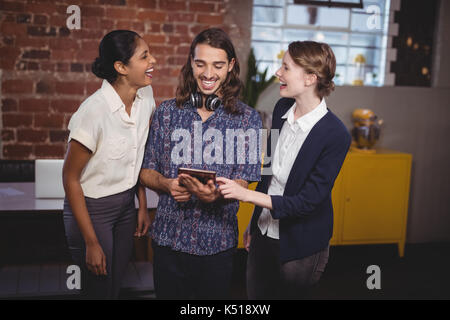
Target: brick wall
x,y
45,67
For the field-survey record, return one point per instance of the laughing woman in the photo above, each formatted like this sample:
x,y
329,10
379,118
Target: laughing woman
x,y
288,237
101,168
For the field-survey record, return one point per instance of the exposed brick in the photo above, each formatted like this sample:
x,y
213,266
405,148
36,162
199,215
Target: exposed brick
x,y
64,32
167,28
49,151
15,120
162,90
150,4
154,38
210,19
59,135
48,121
13,28
201,7
36,54
41,31
62,55
8,135
12,6
181,17
40,19
70,87
31,135
47,67
62,67
90,11
63,44
76,67
153,16
17,151
9,56
23,18
45,86
9,105
120,13
34,105
113,2
65,105
17,86
31,65
173,5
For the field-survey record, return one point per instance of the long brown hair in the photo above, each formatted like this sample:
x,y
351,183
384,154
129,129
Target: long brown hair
x,y
232,86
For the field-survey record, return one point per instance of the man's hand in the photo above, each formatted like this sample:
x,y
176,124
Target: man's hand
x,y
179,193
204,192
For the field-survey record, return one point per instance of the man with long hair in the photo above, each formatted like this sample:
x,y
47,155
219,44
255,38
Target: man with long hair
x,y
195,232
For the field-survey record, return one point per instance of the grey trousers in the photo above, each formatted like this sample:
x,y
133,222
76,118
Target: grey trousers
x,y
114,221
268,278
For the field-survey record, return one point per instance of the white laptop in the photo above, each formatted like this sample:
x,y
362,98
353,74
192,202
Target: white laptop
x,y
48,178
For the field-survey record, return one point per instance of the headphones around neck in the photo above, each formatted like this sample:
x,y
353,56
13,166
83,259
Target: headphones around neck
x,y
212,102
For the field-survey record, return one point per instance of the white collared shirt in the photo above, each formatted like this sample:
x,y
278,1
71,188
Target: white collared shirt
x,y
117,140
293,135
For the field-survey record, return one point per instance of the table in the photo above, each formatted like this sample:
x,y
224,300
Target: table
x,y
20,197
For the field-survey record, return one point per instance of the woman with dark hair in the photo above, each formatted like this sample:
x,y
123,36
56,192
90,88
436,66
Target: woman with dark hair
x,y
101,168
288,237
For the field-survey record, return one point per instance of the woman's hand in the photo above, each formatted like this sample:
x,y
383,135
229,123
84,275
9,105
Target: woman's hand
x,y
231,189
143,223
96,259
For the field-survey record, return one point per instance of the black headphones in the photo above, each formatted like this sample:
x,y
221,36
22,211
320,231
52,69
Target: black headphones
x,y
212,101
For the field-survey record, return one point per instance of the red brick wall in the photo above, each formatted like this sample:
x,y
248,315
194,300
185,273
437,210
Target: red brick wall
x,y
45,67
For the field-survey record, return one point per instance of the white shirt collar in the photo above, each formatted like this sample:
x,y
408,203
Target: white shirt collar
x,y
307,121
113,98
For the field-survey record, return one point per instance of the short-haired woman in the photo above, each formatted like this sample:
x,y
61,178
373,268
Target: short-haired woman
x,y
106,147
288,237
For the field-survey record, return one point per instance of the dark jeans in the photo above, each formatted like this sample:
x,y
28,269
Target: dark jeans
x,y
179,275
267,278
114,221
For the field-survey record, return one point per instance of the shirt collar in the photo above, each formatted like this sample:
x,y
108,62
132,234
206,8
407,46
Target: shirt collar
x,y
307,121
112,97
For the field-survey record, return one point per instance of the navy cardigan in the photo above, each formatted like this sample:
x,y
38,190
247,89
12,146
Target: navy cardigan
x,y
304,210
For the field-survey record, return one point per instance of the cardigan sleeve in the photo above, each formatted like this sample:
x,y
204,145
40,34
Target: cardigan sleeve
x,y
319,183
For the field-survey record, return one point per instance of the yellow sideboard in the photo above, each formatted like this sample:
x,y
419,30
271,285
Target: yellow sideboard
x,y
370,200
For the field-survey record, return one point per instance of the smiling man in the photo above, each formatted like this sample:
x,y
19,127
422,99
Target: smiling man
x,y
195,232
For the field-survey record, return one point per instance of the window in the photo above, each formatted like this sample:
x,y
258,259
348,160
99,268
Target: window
x,y
349,32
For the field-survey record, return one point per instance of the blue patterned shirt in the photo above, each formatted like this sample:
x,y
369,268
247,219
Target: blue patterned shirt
x,y
224,143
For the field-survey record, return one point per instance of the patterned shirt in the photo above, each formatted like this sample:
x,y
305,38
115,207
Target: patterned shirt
x,y
226,143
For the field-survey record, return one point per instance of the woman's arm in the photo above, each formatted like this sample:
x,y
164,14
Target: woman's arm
x,y
232,190
143,218
76,159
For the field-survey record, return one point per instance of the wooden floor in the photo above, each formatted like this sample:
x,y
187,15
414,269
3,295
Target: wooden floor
x,y
49,281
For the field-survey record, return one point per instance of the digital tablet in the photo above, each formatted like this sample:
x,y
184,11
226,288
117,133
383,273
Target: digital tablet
x,y
202,175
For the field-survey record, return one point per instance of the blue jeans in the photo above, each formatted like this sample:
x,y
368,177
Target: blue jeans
x,y
114,221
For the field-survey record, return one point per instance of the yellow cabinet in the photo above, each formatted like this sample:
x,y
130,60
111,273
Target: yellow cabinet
x,y
370,200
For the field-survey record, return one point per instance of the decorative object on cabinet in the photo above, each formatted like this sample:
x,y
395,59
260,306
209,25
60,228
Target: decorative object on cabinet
x,y
366,130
